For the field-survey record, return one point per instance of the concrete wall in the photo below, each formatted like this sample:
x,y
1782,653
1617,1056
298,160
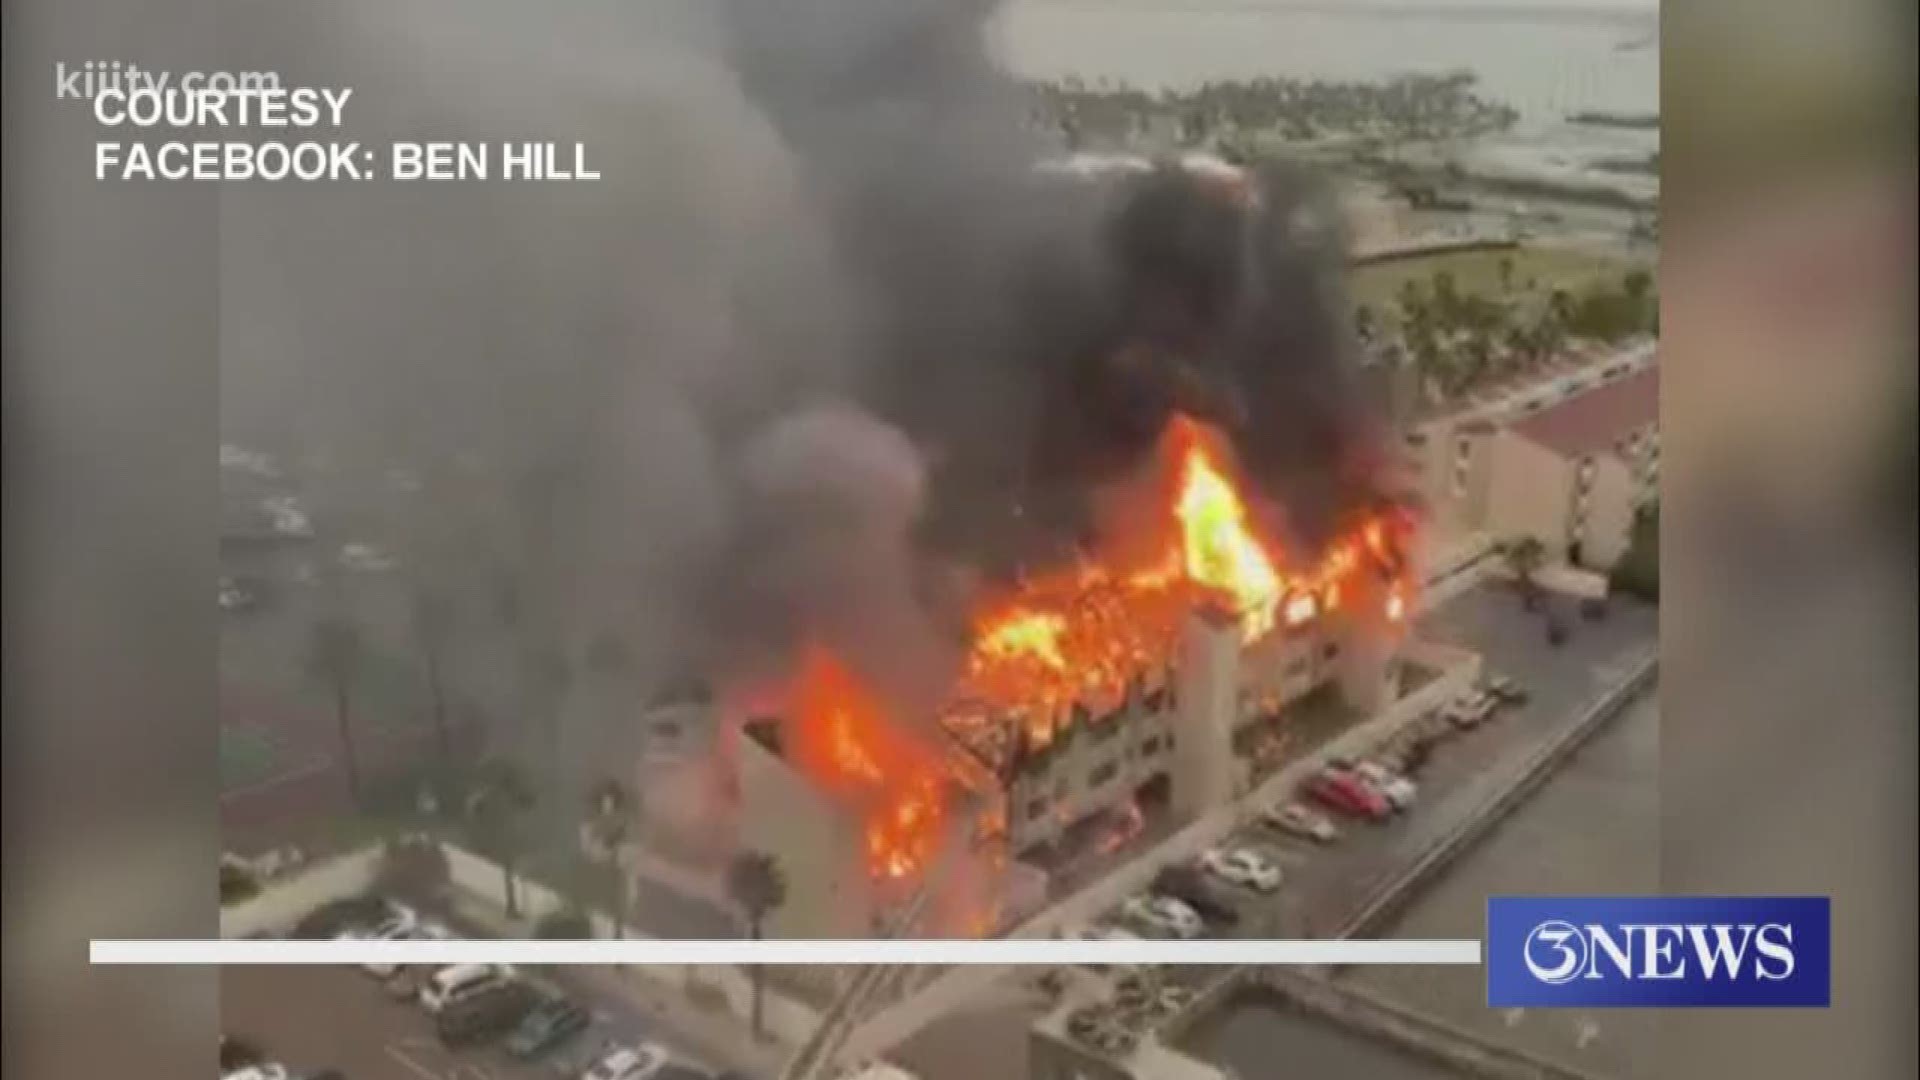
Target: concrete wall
x,y
1209,681
818,843
1611,500
1530,494
284,901
481,877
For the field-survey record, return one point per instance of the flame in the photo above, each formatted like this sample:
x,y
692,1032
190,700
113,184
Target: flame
x,y
1217,548
845,740
1084,637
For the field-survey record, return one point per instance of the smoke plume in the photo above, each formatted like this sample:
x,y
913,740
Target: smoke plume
x,y
822,337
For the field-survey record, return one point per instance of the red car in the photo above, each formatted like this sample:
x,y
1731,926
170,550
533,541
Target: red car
x,y
1340,790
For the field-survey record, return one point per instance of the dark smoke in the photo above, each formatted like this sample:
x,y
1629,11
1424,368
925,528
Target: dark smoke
x,y
822,333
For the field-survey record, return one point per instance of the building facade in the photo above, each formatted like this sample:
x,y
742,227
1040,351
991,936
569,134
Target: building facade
x,y
1569,466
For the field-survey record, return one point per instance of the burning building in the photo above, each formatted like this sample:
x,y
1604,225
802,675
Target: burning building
x,y
1132,673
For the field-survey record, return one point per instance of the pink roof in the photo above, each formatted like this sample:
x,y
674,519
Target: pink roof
x,y
1595,420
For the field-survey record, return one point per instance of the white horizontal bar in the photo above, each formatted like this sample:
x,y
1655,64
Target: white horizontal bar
x,y
1010,951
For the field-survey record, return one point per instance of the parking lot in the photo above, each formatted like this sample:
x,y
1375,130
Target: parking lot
x,y
322,1016
1325,885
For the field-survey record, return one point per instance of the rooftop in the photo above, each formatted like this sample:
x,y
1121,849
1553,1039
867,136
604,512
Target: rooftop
x,y
1596,419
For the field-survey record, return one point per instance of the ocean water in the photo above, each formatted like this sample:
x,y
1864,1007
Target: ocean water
x,y
1546,58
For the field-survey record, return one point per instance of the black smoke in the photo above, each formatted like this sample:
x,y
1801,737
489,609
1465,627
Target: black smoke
x,y
825,344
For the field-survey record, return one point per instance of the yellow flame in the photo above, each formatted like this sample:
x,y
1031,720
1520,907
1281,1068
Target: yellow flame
x,y
1220,551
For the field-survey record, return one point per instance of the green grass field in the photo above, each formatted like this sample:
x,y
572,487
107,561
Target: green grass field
x,y
1537,270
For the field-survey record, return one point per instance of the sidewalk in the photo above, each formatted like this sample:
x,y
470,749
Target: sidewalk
x,y
655,1006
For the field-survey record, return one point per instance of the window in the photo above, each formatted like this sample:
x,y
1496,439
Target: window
x,y
1036,808
1103,774
1149,746
1330,650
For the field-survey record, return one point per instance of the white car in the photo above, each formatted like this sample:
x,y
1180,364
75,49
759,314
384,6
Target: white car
x,y
1399,790
1243,867
1296,819
1164,915
400,921
452,985
266,1070
628,1063
1470,709
386,969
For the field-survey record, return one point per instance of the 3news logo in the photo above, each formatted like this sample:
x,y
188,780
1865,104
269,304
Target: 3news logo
x,y
1659,951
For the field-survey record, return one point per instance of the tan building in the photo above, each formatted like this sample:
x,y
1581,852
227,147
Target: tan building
x,y
1570,472
1173,735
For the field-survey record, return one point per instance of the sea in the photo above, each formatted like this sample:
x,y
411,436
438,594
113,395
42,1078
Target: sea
x,y
1548,59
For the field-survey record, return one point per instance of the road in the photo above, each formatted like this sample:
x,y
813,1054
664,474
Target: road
x,y
1325,886
1551,845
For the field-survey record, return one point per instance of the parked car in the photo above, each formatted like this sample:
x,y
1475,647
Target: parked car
x,y
451,985
1399,790
421,931
1164,915
1298,819
1505,690
550,1023
1243,867
1345,793
1196,889
642,1062
332,918
487,1014
1469,710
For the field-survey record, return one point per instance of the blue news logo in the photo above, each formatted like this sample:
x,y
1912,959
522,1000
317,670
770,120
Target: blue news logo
x,y
1659,951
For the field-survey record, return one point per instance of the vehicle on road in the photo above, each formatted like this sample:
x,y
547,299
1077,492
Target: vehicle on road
x,y
642,1062
551,1022
1243,867
1345,793
1163,915
451,985
1399,790
486,1015
1298,819
263,1070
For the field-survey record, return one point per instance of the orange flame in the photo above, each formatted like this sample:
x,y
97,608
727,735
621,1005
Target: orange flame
x,y
844,740
1083,637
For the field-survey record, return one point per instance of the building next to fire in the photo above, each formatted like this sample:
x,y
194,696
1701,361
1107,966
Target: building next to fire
x,y
1569,461
1176,736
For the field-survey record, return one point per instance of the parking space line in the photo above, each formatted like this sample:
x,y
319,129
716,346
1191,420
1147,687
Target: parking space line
x,y
412,1066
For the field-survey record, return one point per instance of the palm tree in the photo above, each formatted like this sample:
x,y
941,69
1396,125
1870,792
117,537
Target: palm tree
x,y
333,657
501,796
433,626
611,813
1525,556
758,885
